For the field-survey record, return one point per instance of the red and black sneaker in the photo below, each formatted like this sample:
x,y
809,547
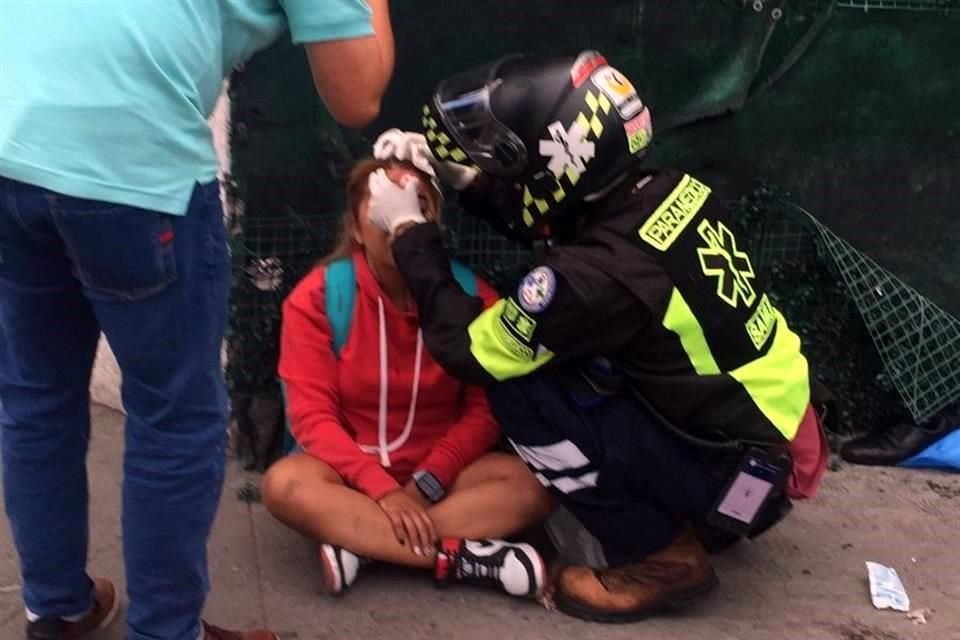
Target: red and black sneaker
x,y
515,568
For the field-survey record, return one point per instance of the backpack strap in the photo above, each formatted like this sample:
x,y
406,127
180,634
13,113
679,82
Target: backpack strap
x,y
466,277
341,289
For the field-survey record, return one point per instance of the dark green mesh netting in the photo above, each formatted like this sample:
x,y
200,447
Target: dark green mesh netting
x,y
884,350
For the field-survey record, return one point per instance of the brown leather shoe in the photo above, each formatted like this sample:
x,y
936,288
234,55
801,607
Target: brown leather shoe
x,y
105,606
667,579
216,633
106,603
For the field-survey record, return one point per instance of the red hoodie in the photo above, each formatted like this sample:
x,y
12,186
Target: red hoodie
x,y
334,404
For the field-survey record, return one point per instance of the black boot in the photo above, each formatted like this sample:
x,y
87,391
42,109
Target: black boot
x,y
902,441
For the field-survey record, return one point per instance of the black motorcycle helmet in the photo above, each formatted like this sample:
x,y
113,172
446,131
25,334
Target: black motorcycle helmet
x,y
547,133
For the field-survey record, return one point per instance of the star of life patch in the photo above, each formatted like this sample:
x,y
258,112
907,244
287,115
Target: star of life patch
x,y
536,290
568,149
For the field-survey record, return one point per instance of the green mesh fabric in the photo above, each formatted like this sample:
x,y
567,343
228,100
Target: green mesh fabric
x,y
886,352
833,102
918,341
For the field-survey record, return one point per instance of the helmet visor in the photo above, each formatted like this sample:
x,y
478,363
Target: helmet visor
x,y
463,103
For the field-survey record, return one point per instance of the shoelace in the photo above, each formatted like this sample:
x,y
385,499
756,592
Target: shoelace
x,y
481,569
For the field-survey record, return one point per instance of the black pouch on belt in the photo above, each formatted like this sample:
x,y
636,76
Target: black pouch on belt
x,y
591,382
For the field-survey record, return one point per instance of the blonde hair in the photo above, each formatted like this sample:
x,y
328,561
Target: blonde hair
x,y
357,192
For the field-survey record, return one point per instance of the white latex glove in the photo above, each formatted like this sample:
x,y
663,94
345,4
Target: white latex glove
x,y
392,205
409,146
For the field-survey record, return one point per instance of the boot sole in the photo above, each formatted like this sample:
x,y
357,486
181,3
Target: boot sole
x,y
677,601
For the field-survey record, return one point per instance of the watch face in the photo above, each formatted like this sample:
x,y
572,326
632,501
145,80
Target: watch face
x,y
429,485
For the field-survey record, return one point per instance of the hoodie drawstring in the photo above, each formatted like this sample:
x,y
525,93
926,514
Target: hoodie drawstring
x,y
385,448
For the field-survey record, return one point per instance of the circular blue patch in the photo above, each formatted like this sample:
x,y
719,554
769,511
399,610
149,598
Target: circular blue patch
x,y
536,289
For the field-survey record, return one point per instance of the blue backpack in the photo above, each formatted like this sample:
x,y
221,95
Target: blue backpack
x,y
341,290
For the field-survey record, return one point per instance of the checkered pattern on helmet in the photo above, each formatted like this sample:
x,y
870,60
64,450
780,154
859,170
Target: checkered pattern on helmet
x,y
592,123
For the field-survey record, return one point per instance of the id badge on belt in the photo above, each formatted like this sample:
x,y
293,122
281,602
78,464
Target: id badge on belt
x,y
760,476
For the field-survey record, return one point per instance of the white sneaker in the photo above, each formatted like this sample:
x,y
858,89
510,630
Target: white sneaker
x,y
515,568
340,568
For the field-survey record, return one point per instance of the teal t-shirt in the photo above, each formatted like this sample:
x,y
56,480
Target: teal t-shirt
x,y
109,99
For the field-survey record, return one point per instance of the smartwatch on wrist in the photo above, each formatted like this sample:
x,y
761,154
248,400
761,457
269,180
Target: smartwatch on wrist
x,y
429,486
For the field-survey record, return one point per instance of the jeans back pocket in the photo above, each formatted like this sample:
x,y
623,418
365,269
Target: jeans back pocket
x,y
118,252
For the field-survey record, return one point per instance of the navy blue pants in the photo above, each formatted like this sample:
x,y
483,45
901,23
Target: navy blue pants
x,y
624,477
157,286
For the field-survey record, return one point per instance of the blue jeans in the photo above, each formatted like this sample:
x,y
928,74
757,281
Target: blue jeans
x,y
157,286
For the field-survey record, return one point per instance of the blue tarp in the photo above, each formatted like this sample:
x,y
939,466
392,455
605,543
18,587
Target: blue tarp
x,y
942,454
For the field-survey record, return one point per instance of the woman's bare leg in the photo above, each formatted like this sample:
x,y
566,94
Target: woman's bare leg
x,y
308,496
495,497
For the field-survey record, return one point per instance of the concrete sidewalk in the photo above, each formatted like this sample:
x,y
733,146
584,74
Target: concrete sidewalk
x,y
806,580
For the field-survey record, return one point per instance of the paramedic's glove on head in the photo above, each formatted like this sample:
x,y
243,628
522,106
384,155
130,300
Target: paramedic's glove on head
x,y
392,206
412,147
394,144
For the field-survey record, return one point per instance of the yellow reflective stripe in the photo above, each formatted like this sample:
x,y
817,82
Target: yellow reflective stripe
x,y
502,354
680,320
779,382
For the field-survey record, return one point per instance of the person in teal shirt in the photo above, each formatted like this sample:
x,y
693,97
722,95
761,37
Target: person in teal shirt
x,y
110,220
